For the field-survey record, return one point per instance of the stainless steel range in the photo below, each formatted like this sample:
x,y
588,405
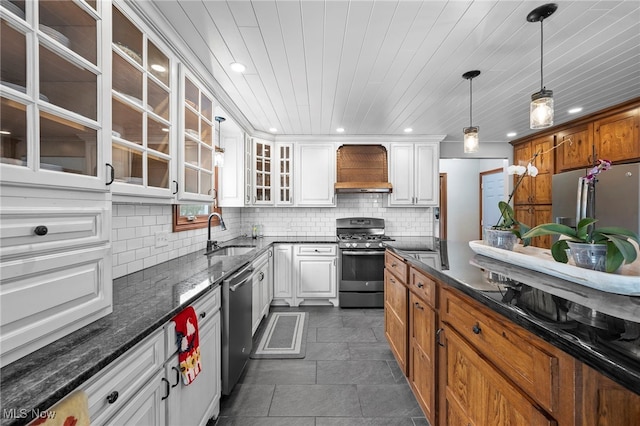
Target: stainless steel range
x,y
361,243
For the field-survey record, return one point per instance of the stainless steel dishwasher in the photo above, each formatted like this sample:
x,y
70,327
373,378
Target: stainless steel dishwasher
x,y
236,327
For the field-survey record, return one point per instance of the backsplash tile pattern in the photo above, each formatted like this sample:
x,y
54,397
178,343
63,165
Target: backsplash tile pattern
x,y
135,227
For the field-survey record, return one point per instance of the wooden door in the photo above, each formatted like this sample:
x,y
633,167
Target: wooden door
x,y
541,184
542,214
480,392
422,367
576,147
616,137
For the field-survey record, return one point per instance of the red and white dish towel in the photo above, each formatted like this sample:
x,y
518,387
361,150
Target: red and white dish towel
x,y
188,344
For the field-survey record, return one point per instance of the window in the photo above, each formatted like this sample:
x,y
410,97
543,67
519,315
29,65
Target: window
x,y
193,216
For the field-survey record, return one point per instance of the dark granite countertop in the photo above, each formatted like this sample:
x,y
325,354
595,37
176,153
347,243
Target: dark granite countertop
x,y
142,303
599,329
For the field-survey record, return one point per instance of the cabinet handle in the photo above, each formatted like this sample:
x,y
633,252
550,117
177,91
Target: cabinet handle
x,y
417,305
440,330
476,329
420,285
177,376
167,388
112,174
261,276
41,230
392,280
112,397
394,264
176,191
202,315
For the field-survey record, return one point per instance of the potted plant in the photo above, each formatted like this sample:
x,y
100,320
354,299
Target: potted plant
x,y
611,244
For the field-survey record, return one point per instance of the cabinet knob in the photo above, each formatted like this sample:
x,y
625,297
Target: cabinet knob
x,y
41,230
476,329
420,285
418,306
112,397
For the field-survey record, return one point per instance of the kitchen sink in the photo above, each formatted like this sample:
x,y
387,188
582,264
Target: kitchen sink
x,y
230,251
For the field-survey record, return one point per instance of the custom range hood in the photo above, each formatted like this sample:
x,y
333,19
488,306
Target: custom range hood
x,y
362,168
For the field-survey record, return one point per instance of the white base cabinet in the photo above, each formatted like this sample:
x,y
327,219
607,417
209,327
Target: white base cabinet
x,y
306,274
262,289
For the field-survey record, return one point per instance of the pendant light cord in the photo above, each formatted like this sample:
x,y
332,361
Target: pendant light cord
x,y
470,101
541,54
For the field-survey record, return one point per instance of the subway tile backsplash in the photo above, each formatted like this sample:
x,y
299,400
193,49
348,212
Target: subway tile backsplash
x,y
135,227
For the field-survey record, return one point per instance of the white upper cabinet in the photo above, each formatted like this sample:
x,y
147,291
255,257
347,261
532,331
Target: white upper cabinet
x,y
198,141
284,174
232,173
315,177
54,95
142,117
262,172
414,174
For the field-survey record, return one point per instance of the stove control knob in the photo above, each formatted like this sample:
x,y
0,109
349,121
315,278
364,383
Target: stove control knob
x,y
367,244
380,245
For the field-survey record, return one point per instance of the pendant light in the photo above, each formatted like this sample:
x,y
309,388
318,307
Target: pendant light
x,y
471,132
218,158
541,109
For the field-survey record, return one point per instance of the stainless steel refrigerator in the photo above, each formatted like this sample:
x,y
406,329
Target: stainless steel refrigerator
x,y
617,197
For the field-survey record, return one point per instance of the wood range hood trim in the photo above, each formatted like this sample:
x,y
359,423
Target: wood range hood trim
x,y
362,169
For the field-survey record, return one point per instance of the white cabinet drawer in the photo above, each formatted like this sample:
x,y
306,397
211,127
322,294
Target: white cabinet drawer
x,y
318,250
47,297
43,230
205,307
110,391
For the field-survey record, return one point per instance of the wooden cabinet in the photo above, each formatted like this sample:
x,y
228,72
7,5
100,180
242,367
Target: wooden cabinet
x,y
414,174
315,176
396,313
532,215
605,403
575,147
422,341
315,272
617,137
488,355
532,199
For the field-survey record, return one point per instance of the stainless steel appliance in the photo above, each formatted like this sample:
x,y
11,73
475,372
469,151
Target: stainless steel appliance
x,y
361,281
236,327
617,197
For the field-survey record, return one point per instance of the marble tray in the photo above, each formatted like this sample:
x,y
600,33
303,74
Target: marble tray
x,y
626,282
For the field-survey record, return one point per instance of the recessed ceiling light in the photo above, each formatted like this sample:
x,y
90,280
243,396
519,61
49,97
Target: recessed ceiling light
x,y
273,129
408,130
238,67
340,130
575,110
511,134
158,67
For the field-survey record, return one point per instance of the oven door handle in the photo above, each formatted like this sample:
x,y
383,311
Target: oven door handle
x,y
364,253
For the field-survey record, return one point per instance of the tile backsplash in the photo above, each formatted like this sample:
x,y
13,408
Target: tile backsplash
x,y
135,227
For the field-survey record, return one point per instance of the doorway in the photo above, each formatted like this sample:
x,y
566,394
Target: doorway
x,y
491,192
442,214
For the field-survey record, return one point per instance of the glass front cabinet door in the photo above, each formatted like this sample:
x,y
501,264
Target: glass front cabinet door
x,y
52,92
141,114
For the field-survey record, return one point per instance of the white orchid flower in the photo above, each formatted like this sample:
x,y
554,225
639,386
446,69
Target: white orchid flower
x,y
516,170
532,170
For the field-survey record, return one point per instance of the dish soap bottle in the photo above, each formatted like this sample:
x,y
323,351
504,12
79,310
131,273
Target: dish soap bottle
x,y
254,231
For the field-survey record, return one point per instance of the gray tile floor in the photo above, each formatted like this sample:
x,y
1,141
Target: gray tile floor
x,y
348,377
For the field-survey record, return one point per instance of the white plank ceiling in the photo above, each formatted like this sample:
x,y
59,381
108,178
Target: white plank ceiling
x,y
378,67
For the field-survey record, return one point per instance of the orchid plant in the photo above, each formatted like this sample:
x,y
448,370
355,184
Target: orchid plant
x,y
507,220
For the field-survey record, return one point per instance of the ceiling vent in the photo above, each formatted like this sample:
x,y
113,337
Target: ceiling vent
x,y
362,168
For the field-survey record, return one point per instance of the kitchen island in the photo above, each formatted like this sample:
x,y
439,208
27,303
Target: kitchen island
x,y
146,300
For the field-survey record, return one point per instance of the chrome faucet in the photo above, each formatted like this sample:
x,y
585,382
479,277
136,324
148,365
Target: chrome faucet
x,y
214,244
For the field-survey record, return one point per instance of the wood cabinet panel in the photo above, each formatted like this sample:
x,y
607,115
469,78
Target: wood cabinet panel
x,y
605,403
422,363
528,365
396,265
576,149
481,392
616,137
396,318
521,156
423,286
533,215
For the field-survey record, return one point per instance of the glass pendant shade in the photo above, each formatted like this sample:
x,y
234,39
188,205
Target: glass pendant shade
x,y
218,158
541,110
470,140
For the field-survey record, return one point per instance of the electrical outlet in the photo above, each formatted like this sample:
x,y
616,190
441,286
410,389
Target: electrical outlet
x,y
162,239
